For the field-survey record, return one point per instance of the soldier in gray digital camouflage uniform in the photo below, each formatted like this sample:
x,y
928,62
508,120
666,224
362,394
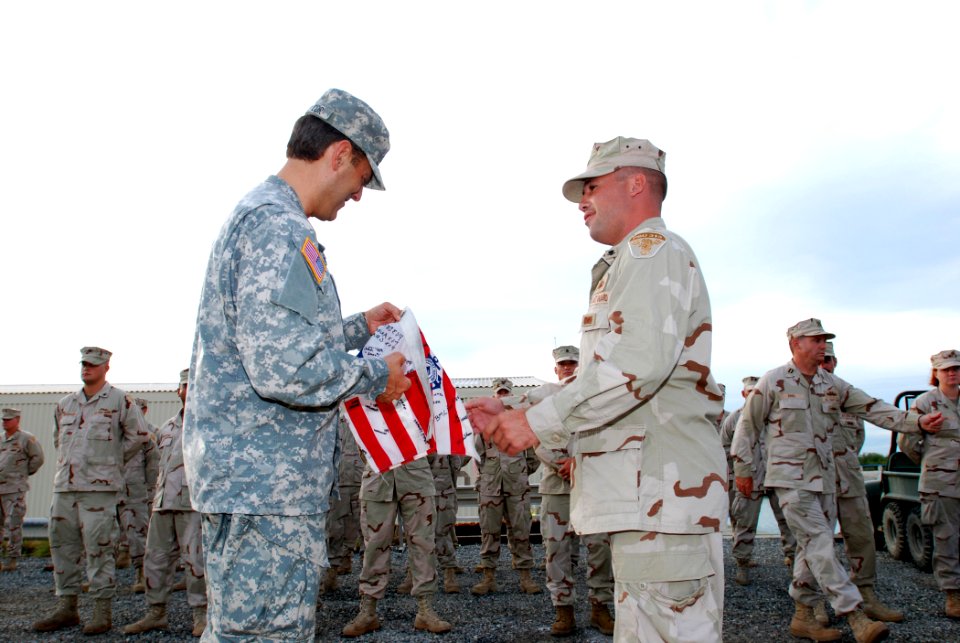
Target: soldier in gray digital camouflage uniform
x,y
504,485
557,531
174,531
648,467
745,511
797,406
96,430
343,519
409,490
21,456
270,367
445,468
939,455
853,511
133,506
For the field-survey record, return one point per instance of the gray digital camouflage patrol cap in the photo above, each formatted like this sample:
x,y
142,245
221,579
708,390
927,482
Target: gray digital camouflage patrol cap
x,y
184,376
357,121
611,156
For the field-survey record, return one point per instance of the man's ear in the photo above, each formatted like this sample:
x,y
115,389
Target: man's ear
x,y
637,183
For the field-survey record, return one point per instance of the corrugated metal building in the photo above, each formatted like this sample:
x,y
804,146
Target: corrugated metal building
x,y
38,403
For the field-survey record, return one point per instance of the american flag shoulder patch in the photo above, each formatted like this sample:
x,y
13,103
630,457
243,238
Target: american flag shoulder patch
x,y
314,259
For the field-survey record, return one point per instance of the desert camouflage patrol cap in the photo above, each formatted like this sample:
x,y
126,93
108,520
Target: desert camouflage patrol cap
x,y
566,354
10,413
502,384
808,328
613,155
94,355
945,359
750,382
828,352
184,376
140,402
354,118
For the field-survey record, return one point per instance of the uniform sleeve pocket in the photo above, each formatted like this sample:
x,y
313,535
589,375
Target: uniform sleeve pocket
x,y
299,291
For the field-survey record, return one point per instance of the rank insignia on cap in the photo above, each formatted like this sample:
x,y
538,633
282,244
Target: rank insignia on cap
x,y
314,259
646,244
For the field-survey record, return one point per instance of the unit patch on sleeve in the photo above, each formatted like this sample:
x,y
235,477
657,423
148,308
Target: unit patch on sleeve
x,y
644,245
314,259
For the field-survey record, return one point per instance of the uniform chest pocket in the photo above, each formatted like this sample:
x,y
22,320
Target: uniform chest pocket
x,y
793,401
100,428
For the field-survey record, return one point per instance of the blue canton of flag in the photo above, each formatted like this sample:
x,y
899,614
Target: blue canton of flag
x,y
434,372
314,260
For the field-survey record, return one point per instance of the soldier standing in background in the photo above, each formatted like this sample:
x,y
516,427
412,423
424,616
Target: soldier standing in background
x,y
745,510
504,494
96,430
853,511
798,405
174,531
133,506
558,533
410,490
343,519
445,468
20,457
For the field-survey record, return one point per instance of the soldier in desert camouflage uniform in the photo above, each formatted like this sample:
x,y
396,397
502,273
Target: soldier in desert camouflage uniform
x,y
270,367
133,506
745,511
96,430
174,531
648,464
940,475
557,532
504,485
409,490
343,519
797,406
445,468
853,510
20,457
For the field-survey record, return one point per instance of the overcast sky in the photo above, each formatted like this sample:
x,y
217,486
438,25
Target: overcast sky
x,y
813,153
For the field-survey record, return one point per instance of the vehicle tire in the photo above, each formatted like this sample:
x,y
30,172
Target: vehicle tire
x,y
894,531
919,541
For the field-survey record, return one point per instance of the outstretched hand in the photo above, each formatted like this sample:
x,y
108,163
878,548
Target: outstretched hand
x,y
397,382
385,313
481,410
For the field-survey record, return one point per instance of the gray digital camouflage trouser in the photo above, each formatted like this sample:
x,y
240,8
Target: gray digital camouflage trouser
x,y
446,525
517,510
170,535
343,525
13,507
812,517
377,521
669,587
943,516
262,574
558,540
856,525
744,515
83,524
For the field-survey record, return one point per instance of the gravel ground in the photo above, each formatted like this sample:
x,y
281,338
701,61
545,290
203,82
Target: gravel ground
x,y
758,613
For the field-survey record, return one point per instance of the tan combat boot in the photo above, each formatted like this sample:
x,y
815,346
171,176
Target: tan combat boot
x,y
487,585
155,619
527,584
427,619
820,613
600,617
952,606
866,630
564,623
345,567
407,583
450,584
365,621
139,584
743,573
876,610
10,565
179,586
329,583
199,620
122,559
788,561
66,615
804,625
102,619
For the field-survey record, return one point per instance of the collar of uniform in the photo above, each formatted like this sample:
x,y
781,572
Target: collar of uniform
x,y
103,392
655,223
286,190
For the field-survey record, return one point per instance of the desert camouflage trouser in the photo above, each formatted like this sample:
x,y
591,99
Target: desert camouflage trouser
x,y
856,525
376,522
262,575
669,587
343,525
558,540
171,534
84,523
744,514
812,517
446,525
517,509
134,515
13,507
943,516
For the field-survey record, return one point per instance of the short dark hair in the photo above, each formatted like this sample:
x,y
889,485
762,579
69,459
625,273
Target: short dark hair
x,y
312,136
